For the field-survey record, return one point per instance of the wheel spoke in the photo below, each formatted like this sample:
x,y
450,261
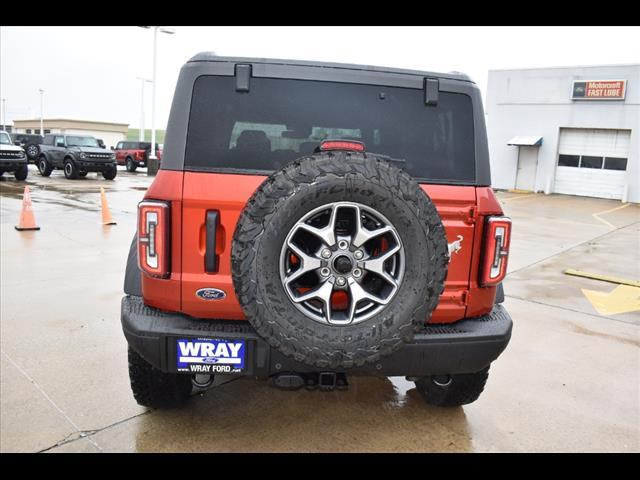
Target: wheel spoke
x,y
322,293
376,265
357,293
308,263
326,234
363,235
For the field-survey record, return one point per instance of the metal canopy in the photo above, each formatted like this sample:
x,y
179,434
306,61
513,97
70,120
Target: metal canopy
x,y
526,140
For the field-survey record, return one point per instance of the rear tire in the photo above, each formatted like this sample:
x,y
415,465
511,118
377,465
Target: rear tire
x,y
110,173
131,165
70,169
44,167
153,388
21,173
452,390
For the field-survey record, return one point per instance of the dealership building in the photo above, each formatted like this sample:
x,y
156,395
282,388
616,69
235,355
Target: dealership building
x,y
109,133
566,130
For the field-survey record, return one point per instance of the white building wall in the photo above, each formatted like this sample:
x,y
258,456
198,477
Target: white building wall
x,y
538,102
110,138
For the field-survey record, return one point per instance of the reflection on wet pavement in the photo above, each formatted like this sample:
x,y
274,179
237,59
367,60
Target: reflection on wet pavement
x,y
373,415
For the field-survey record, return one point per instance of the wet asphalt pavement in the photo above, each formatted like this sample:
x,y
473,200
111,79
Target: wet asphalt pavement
x,y
568,381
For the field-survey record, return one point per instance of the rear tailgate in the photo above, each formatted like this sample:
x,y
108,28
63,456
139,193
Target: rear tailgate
x,y
228,194
456,206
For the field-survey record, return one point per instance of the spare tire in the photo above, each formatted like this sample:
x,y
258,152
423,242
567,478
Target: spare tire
x,y
32,150
338,258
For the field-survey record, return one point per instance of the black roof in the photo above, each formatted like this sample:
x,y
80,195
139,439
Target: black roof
x,y
212,57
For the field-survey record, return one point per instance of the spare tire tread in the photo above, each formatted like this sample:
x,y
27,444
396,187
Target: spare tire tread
x,y
274,191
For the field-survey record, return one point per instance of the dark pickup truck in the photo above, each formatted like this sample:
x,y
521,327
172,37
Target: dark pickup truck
x,y
76,155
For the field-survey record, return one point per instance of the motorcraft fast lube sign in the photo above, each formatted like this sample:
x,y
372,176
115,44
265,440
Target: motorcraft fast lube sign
x,y
599,89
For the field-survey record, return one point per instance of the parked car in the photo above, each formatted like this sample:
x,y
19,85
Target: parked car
x,y
12,158
134,154
316,221
76,155
29,142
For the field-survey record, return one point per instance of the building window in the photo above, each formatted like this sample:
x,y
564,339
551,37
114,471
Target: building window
x,y
591,162
585,161
28,130
569,161
46,130
613,163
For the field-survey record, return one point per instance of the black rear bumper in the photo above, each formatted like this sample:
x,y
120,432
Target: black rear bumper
x,y
463,347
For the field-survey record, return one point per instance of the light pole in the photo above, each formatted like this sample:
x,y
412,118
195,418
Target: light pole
x,y
41,111
142,130
152,164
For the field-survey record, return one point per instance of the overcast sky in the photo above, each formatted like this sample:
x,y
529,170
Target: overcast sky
x,y
90,73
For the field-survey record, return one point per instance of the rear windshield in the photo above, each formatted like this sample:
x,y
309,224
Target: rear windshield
x,y
280,120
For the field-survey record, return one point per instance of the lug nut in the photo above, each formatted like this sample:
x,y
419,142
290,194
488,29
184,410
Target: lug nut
x,y
341,281
342,244
326,253
357,272
358,254
325,272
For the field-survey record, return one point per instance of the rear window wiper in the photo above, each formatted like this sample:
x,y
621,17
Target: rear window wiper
x,y
388,158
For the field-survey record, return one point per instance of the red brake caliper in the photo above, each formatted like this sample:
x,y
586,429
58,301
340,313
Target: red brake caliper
x,y
339,300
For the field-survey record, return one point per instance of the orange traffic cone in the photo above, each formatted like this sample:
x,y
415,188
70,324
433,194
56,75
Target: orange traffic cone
x,y
106,214
27,219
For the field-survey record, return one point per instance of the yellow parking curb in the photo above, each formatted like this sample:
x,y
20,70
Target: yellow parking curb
x,y
604,278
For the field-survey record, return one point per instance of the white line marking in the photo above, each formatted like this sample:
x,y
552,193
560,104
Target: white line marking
x,y
597,214
48,398
519,197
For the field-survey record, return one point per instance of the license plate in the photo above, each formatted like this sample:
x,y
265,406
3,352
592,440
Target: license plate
x,y
208,355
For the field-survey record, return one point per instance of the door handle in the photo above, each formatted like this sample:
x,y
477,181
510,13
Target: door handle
x,y
211,226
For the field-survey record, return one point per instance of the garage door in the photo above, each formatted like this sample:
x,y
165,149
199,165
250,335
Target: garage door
x,y
592,163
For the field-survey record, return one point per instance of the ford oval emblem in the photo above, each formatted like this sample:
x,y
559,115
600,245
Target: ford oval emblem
x,y
211,294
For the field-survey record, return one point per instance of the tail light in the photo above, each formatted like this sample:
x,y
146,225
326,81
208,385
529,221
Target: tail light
x,y
153,238
342,145
496,250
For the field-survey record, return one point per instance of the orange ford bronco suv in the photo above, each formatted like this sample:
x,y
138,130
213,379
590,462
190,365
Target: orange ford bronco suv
x,y
312,221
